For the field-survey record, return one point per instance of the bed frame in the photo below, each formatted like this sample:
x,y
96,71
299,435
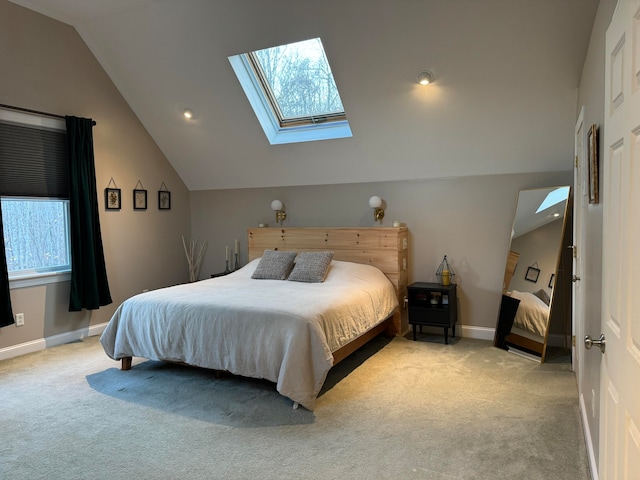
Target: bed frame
x,y
383,247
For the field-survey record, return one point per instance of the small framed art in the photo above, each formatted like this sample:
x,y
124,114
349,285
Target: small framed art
x,y
112,198
532,274
592,141
164,199
139,199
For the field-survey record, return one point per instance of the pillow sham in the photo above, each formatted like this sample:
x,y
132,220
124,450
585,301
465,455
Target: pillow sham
x,y
274,265
311,267
543,295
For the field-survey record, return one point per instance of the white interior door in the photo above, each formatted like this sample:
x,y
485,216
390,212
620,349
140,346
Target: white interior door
x,y
620,366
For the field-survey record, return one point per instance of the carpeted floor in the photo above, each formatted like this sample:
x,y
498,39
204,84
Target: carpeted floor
x,y
396,409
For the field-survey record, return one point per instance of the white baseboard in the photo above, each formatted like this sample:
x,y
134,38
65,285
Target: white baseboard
x,y
42,343
481,333
587,440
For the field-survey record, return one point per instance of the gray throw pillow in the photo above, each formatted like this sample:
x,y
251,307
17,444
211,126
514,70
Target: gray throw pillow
x,y
543,295
311,267
274,265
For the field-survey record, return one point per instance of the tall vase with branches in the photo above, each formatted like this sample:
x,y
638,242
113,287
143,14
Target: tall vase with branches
x,y
195,254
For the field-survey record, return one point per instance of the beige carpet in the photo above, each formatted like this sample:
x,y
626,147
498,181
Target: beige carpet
x,y
394,410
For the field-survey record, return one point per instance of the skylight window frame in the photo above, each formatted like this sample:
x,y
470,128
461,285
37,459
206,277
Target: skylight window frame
x,y
277,130
254,62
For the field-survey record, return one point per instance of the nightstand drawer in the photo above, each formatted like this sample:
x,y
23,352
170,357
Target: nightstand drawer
x,y
429,316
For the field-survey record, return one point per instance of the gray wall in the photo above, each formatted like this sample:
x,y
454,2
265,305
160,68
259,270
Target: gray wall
x,y
469,219
539,246
46,66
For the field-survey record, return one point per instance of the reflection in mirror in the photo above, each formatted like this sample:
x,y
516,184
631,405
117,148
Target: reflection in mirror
x,y
536,288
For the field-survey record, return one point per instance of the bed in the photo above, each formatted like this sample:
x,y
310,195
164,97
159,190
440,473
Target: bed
x,y
532,314
288,332
529,330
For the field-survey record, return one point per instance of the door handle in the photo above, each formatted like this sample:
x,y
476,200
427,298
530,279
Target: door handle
x,y
575,278
589,342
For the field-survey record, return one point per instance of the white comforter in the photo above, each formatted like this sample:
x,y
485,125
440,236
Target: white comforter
x,y
532,314
279,330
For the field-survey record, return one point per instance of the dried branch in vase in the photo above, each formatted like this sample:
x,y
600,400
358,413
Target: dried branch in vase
x,y
194,259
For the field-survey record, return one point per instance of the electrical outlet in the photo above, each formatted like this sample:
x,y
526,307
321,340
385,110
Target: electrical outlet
x,y
19,319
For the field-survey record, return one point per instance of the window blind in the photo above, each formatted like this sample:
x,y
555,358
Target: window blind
x,y
33,161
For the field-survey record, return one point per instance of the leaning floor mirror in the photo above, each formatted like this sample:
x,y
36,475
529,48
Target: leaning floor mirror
x,y
536,291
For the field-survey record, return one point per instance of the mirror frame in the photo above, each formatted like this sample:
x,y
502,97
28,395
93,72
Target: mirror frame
x,y
561,291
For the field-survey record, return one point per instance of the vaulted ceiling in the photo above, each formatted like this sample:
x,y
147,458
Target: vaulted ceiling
x,y
504,99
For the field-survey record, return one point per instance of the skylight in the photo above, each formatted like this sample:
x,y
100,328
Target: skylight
x,y
553,198
293,92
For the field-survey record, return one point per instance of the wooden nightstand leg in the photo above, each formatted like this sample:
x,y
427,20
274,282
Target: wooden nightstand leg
x,y
446,335
453,330
414,332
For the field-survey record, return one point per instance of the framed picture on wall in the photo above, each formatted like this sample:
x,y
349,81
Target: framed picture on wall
x,y
164,200
112,198
532,274
139,199
592,144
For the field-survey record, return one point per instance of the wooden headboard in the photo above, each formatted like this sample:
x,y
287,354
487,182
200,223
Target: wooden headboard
x,y
383,247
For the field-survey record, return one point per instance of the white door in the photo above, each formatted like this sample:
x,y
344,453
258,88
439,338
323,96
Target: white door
x,y
620,366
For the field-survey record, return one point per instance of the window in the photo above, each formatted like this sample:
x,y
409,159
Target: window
x,y
34,192
36,235
293,93
553,198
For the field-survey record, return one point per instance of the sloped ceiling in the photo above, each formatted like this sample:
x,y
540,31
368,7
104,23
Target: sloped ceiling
x,y
504,100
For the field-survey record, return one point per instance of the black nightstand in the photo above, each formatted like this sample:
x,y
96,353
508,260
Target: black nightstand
x,y
433,305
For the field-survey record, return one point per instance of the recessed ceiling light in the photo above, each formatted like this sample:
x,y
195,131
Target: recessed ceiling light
x,y
188,113
425,77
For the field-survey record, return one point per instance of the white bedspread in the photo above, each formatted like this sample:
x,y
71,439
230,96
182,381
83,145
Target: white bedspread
x,y
532,314
279,330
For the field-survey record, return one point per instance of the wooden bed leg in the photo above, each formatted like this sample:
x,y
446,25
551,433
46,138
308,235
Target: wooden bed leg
x,y
126,363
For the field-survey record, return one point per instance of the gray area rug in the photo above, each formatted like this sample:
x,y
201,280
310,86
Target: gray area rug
x,y
396,409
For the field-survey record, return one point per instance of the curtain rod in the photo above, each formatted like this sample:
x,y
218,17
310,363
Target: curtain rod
x,y
37,112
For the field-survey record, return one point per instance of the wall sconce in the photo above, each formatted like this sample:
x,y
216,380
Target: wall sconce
x,y
277,207
425,77
375,202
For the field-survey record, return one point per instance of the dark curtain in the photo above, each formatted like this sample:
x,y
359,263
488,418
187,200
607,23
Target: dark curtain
x,y
89,286
6,314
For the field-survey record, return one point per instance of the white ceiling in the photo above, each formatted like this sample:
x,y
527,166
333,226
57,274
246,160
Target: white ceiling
x,y
504,100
